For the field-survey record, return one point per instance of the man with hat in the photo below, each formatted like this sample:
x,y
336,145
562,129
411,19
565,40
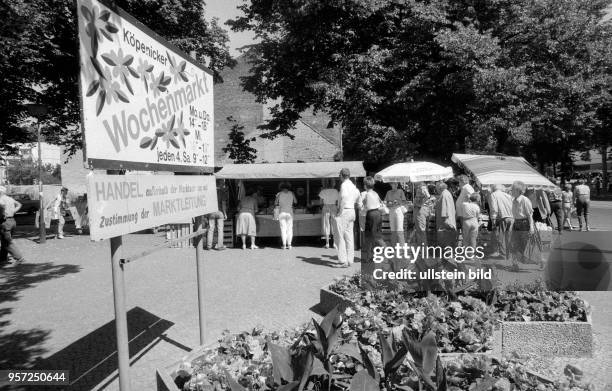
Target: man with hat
x,y
8,208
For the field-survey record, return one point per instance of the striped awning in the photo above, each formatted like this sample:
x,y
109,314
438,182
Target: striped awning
x,y
504,170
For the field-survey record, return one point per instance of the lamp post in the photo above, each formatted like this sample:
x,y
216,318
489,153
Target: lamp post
x,y
39,111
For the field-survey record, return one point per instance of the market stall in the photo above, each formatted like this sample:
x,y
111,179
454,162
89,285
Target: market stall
x,y
306,180
488,170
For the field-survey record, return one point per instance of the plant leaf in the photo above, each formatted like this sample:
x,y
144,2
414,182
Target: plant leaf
x,y
182,76
94,42
182,66
100,102
154,142
318,369
350,350
386,349
108,60
105,15
396,361
161,88
93,87
233,384
429,348
441,381
174,143
145,142
414,348
331,319
367,363
159,132
150,68
321,338
306,366
281,363
363,382
129,61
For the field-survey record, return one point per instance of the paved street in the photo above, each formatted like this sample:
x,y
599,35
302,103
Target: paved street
x,y
58,306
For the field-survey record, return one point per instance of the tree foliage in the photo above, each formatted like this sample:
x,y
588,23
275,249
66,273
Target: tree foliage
x,y
424,79
239,147
39,57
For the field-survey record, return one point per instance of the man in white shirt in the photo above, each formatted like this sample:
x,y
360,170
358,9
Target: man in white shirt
x,y
345,219
582,199
500,212
8,208
464,195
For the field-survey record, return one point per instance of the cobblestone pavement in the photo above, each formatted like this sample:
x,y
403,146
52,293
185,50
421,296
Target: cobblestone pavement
x,y
60,302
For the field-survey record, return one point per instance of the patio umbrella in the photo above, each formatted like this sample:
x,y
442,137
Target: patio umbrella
x,y
414,172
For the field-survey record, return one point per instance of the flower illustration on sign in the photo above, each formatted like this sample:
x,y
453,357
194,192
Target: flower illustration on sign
x,y
144,70
159,84
121,66
181,131
98,25
108,89
166,132
177,70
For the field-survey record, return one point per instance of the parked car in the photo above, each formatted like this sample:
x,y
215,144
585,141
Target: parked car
x,y
29,205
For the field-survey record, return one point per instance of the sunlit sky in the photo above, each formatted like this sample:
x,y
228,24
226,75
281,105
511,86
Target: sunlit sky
x,y
224,10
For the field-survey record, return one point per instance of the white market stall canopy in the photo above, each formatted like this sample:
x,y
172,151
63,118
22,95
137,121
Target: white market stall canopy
x,y
490,170
289,170
414,172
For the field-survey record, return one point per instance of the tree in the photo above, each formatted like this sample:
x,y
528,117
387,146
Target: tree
x,y
239,147
39,56
425,79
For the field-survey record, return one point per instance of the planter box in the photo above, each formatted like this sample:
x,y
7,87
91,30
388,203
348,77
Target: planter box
x,y
165,376
568,339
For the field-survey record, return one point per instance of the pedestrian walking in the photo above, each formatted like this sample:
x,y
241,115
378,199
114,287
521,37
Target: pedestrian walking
x,y
246,225
345,219
471,221
567,197
446,228
395,200
8,208
555,198
329,198
582,199
372,205
216,220
285,200
500,213
58,208
523,227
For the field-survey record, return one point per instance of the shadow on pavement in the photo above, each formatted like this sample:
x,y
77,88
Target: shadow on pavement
x,y
93,358
317,261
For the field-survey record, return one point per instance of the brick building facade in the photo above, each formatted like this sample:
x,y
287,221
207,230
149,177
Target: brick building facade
x,y
312,141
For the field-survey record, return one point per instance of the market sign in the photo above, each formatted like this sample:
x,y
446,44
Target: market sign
x,y
120,204
145,104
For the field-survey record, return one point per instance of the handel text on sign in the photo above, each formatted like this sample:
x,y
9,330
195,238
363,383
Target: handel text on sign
x,y
120,204
146,105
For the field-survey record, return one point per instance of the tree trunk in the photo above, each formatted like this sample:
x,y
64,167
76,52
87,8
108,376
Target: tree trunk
x,y
604,167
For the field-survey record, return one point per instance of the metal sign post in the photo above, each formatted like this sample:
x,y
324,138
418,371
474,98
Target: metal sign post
x,y
121,326
200,272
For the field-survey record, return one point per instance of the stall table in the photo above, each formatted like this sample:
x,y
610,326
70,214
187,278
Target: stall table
x,y
303,225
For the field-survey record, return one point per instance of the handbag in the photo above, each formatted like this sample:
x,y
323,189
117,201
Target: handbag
x,y
383,207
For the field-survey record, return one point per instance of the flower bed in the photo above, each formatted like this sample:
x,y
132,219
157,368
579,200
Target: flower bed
x,y
324,356
532,321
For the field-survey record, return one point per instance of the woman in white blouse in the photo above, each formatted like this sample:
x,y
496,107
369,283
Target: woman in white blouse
x,y
329,197
285,200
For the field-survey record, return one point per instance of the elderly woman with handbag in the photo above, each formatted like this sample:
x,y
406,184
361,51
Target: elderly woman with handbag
x,y
285,200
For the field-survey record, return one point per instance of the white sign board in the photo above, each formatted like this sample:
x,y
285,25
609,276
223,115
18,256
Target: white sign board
x,y
120,204
145,104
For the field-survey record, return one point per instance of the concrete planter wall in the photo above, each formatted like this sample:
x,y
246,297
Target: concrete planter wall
x,y
568,339
165,376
